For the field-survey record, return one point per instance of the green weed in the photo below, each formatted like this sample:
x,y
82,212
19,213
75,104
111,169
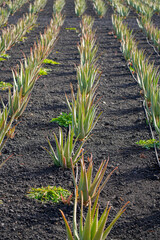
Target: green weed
x,y
44,71
4,85
64,119
4,57
72,29
49,194
50,61
148,143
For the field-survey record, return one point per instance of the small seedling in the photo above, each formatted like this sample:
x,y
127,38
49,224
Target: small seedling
x,y
4,57
148,143
4,85
50,61
49,194
44,71
64,119
72,29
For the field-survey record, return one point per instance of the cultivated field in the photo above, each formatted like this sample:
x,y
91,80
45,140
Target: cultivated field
x,y
118,52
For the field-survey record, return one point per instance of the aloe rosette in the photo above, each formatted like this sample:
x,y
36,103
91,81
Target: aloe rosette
x,y
87,185
64,154
93,228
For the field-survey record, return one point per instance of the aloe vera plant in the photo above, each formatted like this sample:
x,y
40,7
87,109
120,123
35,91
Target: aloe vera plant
x,y
14,5
153,4
84,112
147,75
88,77
155,109
88,73
27,73
24,79
58,6
80,7
65,149
88,186
5,125
88,48
4,15
15,33
37,6
152,32
100,7
141,8
121,9
93,228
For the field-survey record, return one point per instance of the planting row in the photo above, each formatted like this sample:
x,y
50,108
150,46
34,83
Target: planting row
x,y
84,113
25,76
147,75
9,7
145,22
15,33
120,8
99,7
84,116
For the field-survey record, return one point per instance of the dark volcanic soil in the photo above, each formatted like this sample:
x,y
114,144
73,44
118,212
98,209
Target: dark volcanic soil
x,y
120,126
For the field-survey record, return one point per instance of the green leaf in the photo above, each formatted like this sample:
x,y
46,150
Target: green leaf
x,y
132,69
69,233
87,225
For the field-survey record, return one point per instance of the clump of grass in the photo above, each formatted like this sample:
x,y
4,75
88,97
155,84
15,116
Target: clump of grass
x,y
49,194
64,119
148,143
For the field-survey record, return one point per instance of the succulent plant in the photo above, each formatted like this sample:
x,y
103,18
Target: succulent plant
x,y
64,154
88,186
93,228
